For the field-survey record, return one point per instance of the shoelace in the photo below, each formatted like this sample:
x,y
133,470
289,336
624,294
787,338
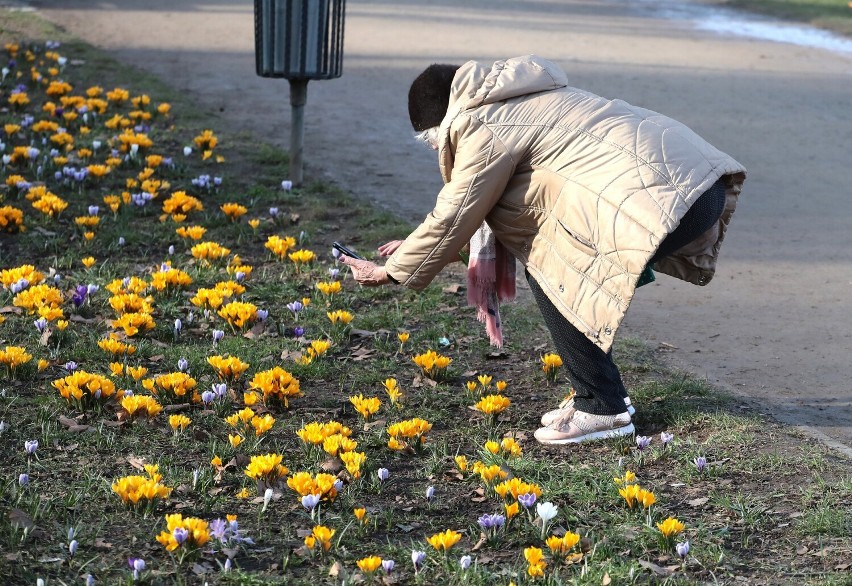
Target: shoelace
x,y
563,418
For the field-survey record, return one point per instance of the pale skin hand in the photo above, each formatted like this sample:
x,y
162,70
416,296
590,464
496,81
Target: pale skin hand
x,y
388,248
365,272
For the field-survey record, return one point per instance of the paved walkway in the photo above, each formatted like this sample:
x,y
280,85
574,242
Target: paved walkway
x,y
775,323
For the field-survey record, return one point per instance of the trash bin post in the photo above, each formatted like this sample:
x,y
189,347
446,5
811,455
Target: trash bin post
x,y
298,40
298,99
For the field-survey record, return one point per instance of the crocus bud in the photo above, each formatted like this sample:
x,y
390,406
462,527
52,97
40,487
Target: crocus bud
x,y
286,185
383,474
417,558
24,479
180,534
72,547
182,363
464,562
310,501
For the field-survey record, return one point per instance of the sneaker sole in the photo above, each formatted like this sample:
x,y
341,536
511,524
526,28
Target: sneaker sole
x,y
606,434
551,416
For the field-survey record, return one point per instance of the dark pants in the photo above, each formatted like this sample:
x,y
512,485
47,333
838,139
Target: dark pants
x,y
593,373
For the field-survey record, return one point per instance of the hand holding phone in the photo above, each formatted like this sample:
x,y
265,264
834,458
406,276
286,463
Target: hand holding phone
x,y
346,251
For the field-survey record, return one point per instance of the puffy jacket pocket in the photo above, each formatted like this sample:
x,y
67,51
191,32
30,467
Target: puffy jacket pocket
x,y
578,241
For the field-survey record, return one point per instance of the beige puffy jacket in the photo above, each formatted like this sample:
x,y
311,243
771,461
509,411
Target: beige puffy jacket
x,y
580,188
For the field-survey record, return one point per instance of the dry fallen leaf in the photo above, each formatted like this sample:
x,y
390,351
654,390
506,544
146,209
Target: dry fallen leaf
x,y
483,539
73,426
136,462
658,570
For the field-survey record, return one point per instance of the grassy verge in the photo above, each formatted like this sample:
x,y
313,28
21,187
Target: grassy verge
x,y
765,505
833,15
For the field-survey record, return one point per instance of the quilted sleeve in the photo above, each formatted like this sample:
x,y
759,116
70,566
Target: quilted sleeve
x,y
481,169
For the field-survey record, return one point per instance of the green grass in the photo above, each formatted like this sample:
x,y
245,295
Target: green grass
x,y
833,15
766,492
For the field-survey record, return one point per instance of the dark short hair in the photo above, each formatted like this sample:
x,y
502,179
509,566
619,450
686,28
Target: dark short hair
x,y
429,96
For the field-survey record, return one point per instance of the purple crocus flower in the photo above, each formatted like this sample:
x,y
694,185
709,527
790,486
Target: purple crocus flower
x,y
489,522
262,314
220,389
217,336
24,479
273,212
682,549
295,307
137,565
30,446
72,547
286,185
70,366
701,463
78,298
19,285
527,500
642,442
40,324
91,289
430,493
182,364
218,528
310,501
383,474
387,566
666,438
464,562
298,331
180,534
417,558
208,397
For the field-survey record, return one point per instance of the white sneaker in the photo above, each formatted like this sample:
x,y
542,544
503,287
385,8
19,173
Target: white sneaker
x,y
578,426
568,403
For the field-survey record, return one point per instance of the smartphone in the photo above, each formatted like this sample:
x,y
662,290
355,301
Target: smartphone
x,y
348,252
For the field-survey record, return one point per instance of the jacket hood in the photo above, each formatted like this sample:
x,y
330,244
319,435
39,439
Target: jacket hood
x,y
476,84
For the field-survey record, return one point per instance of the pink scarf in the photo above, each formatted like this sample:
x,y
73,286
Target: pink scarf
x,y
490,279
